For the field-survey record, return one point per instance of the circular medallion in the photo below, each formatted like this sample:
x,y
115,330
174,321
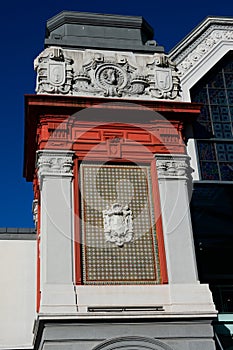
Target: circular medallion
x,y
110,76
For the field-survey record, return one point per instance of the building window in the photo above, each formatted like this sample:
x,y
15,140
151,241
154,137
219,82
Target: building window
x,y
214,128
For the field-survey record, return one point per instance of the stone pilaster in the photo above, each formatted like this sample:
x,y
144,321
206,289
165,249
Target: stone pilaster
x,y
174,174
54,169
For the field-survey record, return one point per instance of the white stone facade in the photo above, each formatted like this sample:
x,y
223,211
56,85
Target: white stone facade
x,y
183,294
56,240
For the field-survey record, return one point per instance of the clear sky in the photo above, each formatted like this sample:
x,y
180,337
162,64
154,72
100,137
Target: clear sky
x,y
22,35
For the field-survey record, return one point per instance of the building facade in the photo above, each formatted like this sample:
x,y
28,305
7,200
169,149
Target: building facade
x,y
121,141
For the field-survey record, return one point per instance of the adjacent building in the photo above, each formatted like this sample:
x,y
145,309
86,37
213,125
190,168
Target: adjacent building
x,y
204,59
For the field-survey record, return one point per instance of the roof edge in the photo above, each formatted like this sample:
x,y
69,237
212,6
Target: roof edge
x,y
93,18
197,31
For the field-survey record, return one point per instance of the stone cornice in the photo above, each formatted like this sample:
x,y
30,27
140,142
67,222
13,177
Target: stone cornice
x,y
86,18
203,48
201,42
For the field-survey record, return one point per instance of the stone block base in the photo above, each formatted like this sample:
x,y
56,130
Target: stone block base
x,y
102,334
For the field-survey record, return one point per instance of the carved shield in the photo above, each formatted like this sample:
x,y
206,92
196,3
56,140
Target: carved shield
x,y
163,78
118,224
56,73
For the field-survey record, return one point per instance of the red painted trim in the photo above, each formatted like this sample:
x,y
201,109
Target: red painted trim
x,y
52,101
157,212
43,114
77,230
159,226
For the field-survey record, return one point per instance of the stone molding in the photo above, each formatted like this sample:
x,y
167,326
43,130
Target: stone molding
x,y
201,42
173,167
55,163
133,342
35,212
107,74
202,50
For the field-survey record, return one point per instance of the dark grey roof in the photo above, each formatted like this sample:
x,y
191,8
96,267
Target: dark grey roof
x,y
100,31
12,233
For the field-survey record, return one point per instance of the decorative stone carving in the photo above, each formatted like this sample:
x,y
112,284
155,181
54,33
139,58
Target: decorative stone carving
x,y
111,78
118,77
114,147
118,224
35,212
107,74
54,163
203,46
173,166
54,72
163,78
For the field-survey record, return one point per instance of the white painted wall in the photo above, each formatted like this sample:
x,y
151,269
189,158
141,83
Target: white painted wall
x,y
17,293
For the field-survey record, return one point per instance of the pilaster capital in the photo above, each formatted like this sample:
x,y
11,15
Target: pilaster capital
x,y
54,163
173,166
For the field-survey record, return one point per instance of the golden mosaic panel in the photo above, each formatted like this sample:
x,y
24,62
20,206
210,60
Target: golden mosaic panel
x,y
105,262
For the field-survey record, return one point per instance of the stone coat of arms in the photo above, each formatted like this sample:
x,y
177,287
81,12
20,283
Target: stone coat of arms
x,y
118,224
163,78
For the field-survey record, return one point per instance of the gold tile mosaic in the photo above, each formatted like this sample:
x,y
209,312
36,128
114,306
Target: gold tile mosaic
x,y
117,203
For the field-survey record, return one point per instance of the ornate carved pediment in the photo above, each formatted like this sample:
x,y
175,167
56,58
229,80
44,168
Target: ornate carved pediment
x,y
107,74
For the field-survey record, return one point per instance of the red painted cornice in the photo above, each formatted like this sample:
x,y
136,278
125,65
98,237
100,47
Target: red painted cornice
x,y
43,109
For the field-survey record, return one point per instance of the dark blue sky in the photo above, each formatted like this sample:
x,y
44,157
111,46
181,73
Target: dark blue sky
x,y
22,34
